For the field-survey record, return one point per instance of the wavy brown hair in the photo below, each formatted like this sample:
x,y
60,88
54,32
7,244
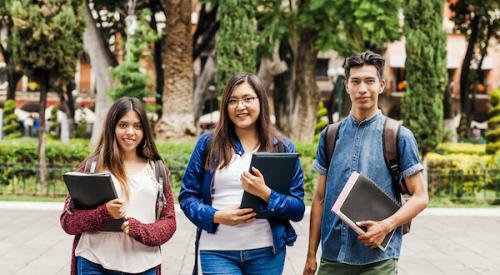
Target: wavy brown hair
x,y
222,146
108,150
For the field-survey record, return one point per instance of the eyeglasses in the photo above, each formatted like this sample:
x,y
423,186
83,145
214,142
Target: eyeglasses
x,y
245,101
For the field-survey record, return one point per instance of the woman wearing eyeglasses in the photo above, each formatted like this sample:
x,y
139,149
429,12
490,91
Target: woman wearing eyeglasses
x,y
231,240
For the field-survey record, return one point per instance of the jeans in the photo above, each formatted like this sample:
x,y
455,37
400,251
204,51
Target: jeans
x,y
253,261
86,267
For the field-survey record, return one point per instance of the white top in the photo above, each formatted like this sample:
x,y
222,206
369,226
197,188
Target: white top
x,y
227,192
116,250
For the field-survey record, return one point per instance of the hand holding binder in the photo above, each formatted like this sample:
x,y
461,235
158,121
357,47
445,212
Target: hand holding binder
x,y
88,191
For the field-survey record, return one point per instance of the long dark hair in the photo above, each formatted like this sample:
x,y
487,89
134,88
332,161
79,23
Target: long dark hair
x,y
221,146
108,150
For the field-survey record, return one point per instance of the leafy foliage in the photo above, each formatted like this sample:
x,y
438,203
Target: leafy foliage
x,y
237,43
422,104
493,134
10,120
48,36
54,126
344,26
131,75
322,120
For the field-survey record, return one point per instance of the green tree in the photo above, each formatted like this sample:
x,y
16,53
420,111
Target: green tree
x,y
478,21
10,120
493,133
236,47
6,24
130,77
425,65
305,27
48,43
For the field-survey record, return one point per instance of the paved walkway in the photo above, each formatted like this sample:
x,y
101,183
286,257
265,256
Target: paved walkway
x,y
442,241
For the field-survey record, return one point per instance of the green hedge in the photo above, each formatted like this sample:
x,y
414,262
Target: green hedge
x,y
452,167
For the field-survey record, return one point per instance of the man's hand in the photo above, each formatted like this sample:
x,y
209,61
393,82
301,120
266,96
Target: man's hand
x,y
116,208
255,185
311,266
234,216
375,232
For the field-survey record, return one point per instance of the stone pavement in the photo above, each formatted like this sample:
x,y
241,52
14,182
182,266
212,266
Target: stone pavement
x,y
442,241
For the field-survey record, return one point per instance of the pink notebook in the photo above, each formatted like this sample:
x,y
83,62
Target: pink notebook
x,y
362,199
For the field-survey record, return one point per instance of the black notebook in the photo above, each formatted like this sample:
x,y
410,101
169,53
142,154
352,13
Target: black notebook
x,y
278,170
88,191
362,199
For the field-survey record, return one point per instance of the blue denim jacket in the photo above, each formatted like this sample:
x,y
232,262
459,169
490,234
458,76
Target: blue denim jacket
x,y
196,196
359,148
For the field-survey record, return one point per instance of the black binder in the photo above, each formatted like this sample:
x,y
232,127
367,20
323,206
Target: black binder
x,y
88,191
362,199
278,170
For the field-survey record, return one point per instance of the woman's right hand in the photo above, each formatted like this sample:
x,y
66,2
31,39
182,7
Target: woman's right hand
x,y
116,208
234,216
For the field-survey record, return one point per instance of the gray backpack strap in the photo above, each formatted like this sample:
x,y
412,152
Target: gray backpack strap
x,y
331,138
91,164
161,177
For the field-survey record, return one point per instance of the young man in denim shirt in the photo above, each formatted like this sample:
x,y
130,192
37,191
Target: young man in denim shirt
x,y
359,147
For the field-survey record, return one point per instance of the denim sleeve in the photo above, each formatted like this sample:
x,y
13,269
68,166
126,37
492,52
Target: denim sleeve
x,y
190,197
409,160
320,162
291,206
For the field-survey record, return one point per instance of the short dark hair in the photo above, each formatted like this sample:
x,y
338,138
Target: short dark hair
x,y
365,58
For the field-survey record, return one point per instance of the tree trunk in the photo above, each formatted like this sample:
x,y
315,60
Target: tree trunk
x,y
43,81
305,99
158,46
100,63
70,111
200,94
12,76
464,79
177,118
269,68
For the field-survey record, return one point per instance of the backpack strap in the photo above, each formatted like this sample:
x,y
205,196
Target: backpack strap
x,y
161,177
161,173
331,138
91,164
391,156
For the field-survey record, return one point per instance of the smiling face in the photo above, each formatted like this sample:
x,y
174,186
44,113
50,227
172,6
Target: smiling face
x,y
129,132
364,87
243,107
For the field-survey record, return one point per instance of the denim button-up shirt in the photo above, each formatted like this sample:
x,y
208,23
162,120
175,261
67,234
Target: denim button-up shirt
x,y
195,197
359,147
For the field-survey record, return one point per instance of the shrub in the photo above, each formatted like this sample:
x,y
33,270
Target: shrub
x,y
10,120
493,134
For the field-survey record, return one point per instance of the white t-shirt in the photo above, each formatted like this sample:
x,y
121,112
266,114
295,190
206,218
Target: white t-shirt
x,y
116,250
226,193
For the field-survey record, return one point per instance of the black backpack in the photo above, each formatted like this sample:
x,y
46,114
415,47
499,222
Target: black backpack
x,y
391,157
160,175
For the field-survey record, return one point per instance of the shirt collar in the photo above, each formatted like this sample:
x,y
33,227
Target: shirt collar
x,y
367,121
